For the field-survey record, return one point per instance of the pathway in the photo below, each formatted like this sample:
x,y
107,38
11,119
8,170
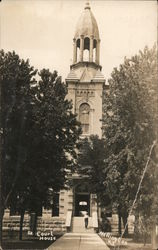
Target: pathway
x,y
79,241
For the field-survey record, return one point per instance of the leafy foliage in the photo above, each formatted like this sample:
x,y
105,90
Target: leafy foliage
x,y
16,77
129,125
53,134
39,134
91,162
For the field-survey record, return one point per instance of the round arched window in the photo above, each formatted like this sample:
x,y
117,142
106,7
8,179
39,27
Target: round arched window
x,y
84,114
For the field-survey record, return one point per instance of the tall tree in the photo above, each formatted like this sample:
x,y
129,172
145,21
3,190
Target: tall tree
x,y
54,133
16,76
130,128
51,141
39,135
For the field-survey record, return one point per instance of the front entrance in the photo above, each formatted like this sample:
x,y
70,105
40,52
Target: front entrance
x,y
82,204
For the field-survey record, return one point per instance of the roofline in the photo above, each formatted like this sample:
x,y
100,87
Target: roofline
x,y
86,63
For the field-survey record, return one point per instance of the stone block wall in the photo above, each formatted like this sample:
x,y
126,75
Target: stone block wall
x,y
65,202
11,225
45,223
55,224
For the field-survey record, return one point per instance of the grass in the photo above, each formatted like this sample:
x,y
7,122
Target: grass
x,y
27,244
36,244
131,245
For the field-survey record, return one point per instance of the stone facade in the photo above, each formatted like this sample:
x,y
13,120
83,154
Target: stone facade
x,y
45,223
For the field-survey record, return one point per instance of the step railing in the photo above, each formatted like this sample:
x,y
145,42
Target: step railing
x,y
68,219
95,220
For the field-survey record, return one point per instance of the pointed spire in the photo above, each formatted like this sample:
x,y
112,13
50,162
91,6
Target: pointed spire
x,y
87,6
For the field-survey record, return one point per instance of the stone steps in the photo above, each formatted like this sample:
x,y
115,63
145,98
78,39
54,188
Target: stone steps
x,y
78,225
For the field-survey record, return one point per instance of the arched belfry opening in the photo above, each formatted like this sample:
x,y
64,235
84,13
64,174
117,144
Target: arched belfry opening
x,y
86,49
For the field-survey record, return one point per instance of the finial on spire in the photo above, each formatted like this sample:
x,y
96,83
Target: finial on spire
x,y
87,5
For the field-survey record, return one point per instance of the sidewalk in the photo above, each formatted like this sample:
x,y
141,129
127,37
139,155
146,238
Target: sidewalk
x,y
79,241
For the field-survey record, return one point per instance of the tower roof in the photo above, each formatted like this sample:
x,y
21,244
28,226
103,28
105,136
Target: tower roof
x,y
87,25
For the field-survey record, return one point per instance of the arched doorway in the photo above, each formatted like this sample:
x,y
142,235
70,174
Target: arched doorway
x,y
82,200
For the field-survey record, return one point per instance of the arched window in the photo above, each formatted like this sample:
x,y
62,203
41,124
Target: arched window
x,y
86,43
84,115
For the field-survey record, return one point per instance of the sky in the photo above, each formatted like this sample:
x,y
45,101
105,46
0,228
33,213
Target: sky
x,y
43,30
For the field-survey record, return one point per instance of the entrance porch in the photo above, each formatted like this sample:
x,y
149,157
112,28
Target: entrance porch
x,y
78,199
75,203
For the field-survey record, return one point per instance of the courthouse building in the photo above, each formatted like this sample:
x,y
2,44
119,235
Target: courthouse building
x,y
85,83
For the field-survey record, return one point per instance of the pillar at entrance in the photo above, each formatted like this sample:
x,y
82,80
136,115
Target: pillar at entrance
x,y
93,203
66,202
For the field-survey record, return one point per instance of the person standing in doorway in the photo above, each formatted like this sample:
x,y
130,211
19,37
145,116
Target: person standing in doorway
x,y
86,219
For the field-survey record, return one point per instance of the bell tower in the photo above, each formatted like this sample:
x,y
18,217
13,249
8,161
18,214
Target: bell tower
x,y
86,38
85,80
85,88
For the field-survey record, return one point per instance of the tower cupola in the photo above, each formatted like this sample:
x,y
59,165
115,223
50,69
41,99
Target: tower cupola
x,y
86,39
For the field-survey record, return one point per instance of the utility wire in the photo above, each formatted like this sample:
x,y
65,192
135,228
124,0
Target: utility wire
x,y
139,186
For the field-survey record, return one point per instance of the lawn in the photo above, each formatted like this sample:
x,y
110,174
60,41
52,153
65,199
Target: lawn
x,y
131,245
26,245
